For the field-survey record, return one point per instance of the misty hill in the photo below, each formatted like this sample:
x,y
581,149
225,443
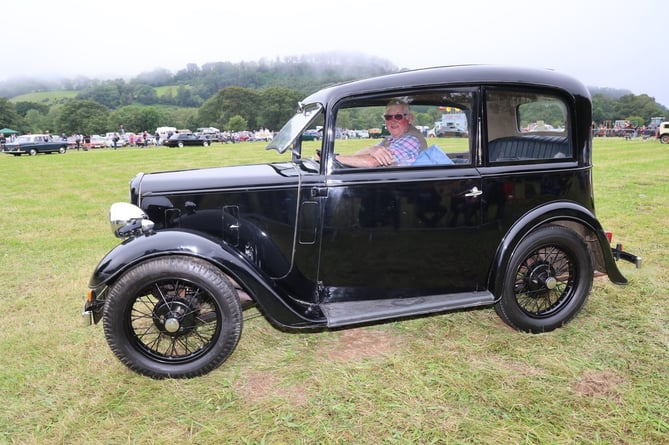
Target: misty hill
x,y
194,85
304,74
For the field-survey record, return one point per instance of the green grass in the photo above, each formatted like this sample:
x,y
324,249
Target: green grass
x,y
47,97
462,377
169,89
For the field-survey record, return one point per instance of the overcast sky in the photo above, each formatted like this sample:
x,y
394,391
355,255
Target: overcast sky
x,y
604,43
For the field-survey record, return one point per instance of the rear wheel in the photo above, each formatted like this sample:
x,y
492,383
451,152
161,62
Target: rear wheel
x,y
548,280
181,145
173,317
205,144
32,152
664,138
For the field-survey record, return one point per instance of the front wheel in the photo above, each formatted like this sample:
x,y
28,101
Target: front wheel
x,y
547,281
664,138
173,317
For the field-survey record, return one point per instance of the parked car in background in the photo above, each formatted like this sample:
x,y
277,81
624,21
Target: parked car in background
x,y
450,129
96,141
663,132
186,139
33,144
311,135
499,218
120,142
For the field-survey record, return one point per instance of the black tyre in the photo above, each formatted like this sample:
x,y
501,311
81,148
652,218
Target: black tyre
x,y
32,152
180,145
61,150
173,317
205,144
664,138
547,282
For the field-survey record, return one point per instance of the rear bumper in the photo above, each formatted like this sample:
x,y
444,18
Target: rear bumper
x,y
94,305
620,254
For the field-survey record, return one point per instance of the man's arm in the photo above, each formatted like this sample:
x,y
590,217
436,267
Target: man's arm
x,y
358,160
374,156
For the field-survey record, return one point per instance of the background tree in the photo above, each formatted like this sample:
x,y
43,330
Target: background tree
x,y
277,105
83,116
9,118
137,118
39,122
145,94
180,117
23,107
186,98
603,108
643,105
112,94
228,102
424,119
236,123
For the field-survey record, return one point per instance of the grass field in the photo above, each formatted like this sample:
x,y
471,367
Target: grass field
x,y
46,97
462,377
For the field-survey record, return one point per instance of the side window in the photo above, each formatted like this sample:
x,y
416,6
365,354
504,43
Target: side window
x,y
439,124
526,127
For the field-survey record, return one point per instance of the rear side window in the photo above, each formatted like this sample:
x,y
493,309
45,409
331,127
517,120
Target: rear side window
x,y
526,127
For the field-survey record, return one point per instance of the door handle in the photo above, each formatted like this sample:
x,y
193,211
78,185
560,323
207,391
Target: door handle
x,y
319,191
474,192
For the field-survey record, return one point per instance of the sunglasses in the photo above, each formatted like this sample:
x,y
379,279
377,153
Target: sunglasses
x,y
397,117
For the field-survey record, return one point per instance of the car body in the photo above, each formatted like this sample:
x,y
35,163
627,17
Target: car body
x,y
450,130
663,132
33,144
96,141
311,135
120,142
186,139
502,218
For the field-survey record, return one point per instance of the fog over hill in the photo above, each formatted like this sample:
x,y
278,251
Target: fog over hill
x,y
291,72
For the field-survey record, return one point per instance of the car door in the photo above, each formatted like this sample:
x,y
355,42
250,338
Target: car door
x,y
397,234
401,232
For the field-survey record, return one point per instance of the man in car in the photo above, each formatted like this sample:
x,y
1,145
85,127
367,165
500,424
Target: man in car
x,y
401,148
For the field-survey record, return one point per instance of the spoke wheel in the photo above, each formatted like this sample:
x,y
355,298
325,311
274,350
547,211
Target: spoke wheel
x,y
173,317
547,282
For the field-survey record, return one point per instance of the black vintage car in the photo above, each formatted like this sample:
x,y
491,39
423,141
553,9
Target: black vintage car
x,y
186,139
502,217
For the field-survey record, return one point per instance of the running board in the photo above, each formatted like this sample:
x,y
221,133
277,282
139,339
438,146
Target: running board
x,y
355,312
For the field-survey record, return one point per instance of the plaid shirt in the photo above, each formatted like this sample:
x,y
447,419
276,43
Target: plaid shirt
x,y
405,148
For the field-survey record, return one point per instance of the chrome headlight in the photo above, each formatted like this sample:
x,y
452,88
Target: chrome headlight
x,y
128,220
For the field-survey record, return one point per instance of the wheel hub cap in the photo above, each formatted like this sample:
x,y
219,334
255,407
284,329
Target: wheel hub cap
x,y
174,317
551,283
172,325
542,277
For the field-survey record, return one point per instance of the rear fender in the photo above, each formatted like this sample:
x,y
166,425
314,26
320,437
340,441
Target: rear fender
x,y
273,305
567,214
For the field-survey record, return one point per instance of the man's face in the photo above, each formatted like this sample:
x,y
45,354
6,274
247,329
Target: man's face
x,y
395,127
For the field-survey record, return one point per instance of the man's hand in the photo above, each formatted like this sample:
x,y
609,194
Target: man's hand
x,y
382,155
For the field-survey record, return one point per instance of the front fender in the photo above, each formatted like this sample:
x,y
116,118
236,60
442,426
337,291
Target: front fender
x,y
569,214
182,242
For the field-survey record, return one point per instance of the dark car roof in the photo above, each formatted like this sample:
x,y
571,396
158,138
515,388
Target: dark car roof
x,y
452,75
